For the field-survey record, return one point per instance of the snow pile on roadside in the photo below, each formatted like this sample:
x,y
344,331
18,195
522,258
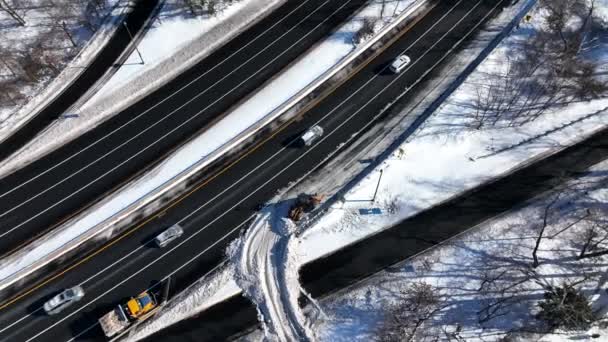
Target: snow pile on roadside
x,y
208,291
54,59
319,60
268,274
484,278
198,149
175,42
446,156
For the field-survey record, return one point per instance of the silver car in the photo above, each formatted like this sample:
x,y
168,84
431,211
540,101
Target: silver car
x,y
311,135
61,301
172,233
400,63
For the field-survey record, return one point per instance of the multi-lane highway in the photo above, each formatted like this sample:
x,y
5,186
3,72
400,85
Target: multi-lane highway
x,y
218,209
37,198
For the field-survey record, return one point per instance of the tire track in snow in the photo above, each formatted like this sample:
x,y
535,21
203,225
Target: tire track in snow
x,y
264,271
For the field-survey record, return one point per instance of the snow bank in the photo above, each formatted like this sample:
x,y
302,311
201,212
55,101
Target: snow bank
x,y
15,41
208,291
268,274
445,157
175,42
488,266
183,159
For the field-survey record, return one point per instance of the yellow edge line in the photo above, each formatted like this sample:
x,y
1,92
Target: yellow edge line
x,y
160,212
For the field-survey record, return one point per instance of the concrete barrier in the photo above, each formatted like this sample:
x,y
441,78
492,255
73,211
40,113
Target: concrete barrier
x,y
153,202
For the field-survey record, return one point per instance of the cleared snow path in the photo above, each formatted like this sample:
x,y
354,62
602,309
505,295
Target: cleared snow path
x,y
268,274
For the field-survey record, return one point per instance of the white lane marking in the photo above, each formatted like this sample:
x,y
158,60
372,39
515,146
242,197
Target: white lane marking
x,y
56,203
162,101
97,323
319,120
84,331
144,268
335,108
276,175
278,152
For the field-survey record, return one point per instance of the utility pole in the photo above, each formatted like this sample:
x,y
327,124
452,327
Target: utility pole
x,y
377,185
131,36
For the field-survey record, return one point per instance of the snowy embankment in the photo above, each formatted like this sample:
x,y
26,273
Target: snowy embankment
x,y
265,270
315,63
190,154
483,279
40,58
446,157
175,42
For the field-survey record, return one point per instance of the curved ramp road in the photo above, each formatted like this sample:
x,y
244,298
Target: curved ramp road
x,y
217,210
49,191
108,57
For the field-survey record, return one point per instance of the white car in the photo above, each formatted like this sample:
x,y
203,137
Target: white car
x,y
311,135
61,301
400,63
172,233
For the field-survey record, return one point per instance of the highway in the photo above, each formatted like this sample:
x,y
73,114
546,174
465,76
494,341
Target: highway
x,y
51,190
215,213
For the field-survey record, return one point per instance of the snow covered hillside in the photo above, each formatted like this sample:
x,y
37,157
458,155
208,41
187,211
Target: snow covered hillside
x,y
39,39
482,286
530,97
176,40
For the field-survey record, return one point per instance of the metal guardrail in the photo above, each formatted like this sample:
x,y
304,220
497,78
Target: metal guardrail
x,y
140,206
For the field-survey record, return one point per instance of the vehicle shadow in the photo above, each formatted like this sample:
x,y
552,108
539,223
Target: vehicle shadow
x,y
35,308
383,69
294,141
86,326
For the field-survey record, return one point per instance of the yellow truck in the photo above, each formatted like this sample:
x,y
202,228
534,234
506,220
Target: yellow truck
x,y
136,309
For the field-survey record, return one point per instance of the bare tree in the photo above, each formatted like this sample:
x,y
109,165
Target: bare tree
x,y
366,30
594,236
5,60
191,4
11,11
499,290
566,307
545,223
420,302
545,72
65,29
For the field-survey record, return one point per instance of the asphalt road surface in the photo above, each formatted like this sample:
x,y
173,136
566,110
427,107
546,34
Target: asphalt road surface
x,y
356,262
215,214
35,199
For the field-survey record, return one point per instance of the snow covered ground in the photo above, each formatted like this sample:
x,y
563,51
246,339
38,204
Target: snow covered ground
x,y
173,25
43,54
321,59
176,41
265,272
447,156
484,277
442,159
